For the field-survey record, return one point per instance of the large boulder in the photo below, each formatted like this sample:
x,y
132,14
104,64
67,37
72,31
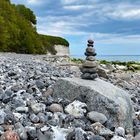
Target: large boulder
x,y
99,96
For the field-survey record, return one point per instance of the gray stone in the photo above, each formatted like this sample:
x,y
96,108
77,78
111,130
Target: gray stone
x,y
136,129
40,84
90,50
90,54
89,76
99,96
38,107
137,137
1,91
96,137
15,88
2,116
118,138
120,131
102,73
22,109
7,96
79,134
1,130
105,132
89,64
90,58
55,108
97,117
90,41
21,131
87,70
31,131
42,117
34,118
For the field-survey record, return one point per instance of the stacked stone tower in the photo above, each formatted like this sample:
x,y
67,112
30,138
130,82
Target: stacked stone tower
x,y
89,68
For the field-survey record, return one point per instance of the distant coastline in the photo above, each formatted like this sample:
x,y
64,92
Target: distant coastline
x,y
122,58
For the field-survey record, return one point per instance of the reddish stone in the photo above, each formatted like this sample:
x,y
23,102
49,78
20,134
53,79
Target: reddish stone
x,y
10,135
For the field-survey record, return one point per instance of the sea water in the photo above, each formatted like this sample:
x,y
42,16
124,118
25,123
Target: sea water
x,y
122,58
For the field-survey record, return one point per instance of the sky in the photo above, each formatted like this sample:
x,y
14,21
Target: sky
x,y
114,25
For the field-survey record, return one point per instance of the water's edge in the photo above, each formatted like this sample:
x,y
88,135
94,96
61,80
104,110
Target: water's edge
x,y
123,58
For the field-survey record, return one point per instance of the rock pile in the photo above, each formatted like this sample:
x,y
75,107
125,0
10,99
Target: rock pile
x,y
89,68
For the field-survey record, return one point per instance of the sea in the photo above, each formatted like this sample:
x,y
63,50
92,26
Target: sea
x,y
122,58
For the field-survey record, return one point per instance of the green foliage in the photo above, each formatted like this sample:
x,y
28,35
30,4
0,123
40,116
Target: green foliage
x,y
104,62
27,13
131,65
77,60
18,33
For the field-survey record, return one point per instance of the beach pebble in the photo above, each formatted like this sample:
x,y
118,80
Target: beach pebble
x,y
118,138
96,137
10,135
22,109
120,131
97,117
76,108
34,118
38,107
55,108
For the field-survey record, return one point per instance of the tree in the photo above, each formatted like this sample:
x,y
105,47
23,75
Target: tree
x,y
27,13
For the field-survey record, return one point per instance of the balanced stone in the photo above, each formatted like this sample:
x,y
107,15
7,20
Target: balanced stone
x,y
90,50
90,45
90,58
90,54
89,64
89,68
90,41
89,76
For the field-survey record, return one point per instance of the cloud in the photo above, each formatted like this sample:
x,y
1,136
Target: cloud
x,y
78,7
125,12
33,1
68,1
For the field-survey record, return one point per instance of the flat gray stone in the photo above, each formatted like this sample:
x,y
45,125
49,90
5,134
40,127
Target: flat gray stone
x,y
97,117
99,96
90,64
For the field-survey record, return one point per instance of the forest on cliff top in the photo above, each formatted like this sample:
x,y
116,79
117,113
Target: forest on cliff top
x,y
18,31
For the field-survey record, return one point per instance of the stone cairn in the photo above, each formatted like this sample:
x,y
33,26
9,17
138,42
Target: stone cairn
x,y
89,68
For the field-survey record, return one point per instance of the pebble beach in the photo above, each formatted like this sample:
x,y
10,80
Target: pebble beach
x,y
28,110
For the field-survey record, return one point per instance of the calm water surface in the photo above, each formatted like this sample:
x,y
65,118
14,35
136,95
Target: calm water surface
x,y
122,58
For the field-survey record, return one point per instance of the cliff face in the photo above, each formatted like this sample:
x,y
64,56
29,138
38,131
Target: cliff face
x,y
62,50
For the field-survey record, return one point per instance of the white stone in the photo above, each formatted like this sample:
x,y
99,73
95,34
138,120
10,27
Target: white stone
x,y
117,138
76,109
120,131
44,128
120,67
38,107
